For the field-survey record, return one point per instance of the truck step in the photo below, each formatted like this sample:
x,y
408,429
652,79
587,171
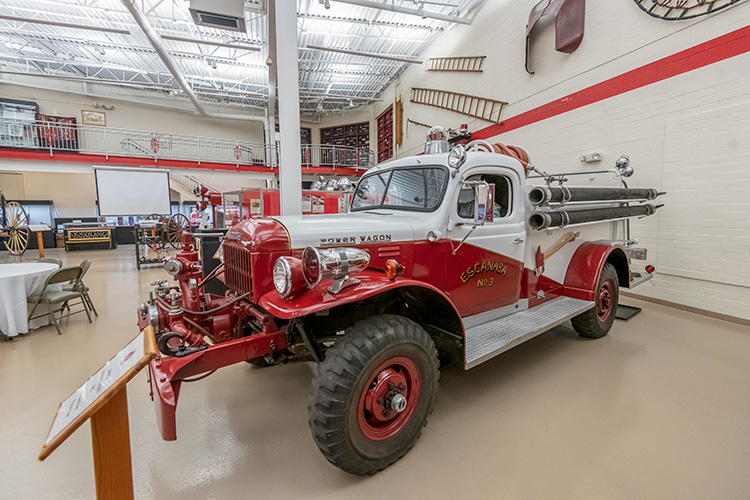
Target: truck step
x,y
490,339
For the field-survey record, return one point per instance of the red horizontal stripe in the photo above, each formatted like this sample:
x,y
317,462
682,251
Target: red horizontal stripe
x,y
16,154
721,48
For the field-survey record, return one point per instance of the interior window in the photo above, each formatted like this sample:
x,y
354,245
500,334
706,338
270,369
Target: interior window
x,y
503,196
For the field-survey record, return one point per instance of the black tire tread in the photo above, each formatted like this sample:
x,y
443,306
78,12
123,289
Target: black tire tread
x,y
587,324
338,375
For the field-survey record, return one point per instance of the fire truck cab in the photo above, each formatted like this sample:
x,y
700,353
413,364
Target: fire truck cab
x,y
446,257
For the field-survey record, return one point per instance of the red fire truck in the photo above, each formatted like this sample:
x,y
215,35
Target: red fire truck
x,y
446,257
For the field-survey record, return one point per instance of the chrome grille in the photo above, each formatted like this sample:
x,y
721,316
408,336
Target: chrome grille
x,y
237,270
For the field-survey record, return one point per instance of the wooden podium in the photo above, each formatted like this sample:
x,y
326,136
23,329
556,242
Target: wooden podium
x,y
103,398
38,228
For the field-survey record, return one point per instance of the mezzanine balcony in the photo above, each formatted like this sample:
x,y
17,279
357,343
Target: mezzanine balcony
x,y
58,141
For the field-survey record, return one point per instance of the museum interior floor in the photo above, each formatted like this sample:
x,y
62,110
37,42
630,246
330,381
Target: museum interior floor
x,y
658,409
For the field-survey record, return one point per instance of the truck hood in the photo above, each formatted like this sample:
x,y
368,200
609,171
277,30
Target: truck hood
x,y
352,229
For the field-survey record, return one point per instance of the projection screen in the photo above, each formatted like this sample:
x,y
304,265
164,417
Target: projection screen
x,y
132,192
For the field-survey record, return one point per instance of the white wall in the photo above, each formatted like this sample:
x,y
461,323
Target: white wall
x,y
129,115
687,135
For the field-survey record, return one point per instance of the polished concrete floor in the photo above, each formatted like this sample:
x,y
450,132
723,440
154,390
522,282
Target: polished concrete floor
x,y
659,409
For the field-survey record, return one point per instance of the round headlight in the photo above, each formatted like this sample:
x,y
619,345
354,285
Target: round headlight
x,y
282,277
287,277
457,156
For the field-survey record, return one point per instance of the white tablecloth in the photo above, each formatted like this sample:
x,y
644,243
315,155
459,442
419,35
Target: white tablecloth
x,y
18,281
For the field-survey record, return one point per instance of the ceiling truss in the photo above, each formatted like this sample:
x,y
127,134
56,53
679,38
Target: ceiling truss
x,y
348,53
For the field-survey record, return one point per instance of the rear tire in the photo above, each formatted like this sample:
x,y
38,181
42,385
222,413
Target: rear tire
x,y
373,393
596,323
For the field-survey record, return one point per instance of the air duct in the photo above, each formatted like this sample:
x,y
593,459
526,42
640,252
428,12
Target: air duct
x,y
219,14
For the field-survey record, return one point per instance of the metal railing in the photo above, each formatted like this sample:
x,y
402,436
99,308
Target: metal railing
x,y
189,183
58,137
336,156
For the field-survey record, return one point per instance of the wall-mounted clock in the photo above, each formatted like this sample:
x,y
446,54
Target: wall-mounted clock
x,y
677,10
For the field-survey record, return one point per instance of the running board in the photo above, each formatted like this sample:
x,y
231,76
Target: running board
x,y
490,339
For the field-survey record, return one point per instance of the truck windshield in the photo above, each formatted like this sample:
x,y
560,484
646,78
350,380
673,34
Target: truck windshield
x,y
418,189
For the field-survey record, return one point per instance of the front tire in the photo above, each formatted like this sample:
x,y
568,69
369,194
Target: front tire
x,y
373,393
596,323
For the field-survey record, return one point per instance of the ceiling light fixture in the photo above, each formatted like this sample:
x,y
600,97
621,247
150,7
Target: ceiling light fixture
x,y
327,4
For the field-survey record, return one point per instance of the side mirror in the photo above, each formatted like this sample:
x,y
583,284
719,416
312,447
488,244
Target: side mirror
x,y
483,203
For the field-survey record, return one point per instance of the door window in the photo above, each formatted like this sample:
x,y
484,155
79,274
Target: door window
x,y
502,201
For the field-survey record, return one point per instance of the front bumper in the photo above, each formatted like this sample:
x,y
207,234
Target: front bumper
x,y
167,373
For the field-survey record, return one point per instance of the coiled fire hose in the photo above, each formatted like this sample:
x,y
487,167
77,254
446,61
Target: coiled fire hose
x,y
516,152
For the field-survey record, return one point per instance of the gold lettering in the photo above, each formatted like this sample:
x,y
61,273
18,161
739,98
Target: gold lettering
x,y
484,267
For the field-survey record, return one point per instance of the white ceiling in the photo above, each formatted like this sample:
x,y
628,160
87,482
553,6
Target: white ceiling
x,y
329,81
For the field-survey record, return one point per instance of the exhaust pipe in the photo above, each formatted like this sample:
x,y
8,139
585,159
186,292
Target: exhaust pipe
x,y
542,195
562,218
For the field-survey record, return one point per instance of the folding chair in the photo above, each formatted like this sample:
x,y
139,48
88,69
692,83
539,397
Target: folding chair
x,y
63,298
87,302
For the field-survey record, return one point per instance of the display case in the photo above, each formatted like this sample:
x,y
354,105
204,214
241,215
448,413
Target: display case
x,y
89,236
230,212
17,128
40,212
354,136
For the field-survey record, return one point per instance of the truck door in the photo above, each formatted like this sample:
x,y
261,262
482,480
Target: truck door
x,y
485,272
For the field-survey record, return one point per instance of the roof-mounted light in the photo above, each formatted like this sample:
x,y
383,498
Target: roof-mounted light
x,y
437,141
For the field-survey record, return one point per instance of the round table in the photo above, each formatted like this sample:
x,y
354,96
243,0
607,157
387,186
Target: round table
x,y
18,281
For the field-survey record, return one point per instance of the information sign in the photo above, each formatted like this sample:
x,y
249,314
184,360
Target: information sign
x,y
99,388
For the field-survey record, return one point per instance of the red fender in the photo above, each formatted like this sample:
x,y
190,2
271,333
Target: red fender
x,y
319,299
585,268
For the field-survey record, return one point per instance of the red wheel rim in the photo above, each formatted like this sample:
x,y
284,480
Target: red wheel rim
x,y
604,304
377,419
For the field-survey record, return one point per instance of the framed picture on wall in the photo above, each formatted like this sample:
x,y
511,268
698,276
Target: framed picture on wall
x,y
93,118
